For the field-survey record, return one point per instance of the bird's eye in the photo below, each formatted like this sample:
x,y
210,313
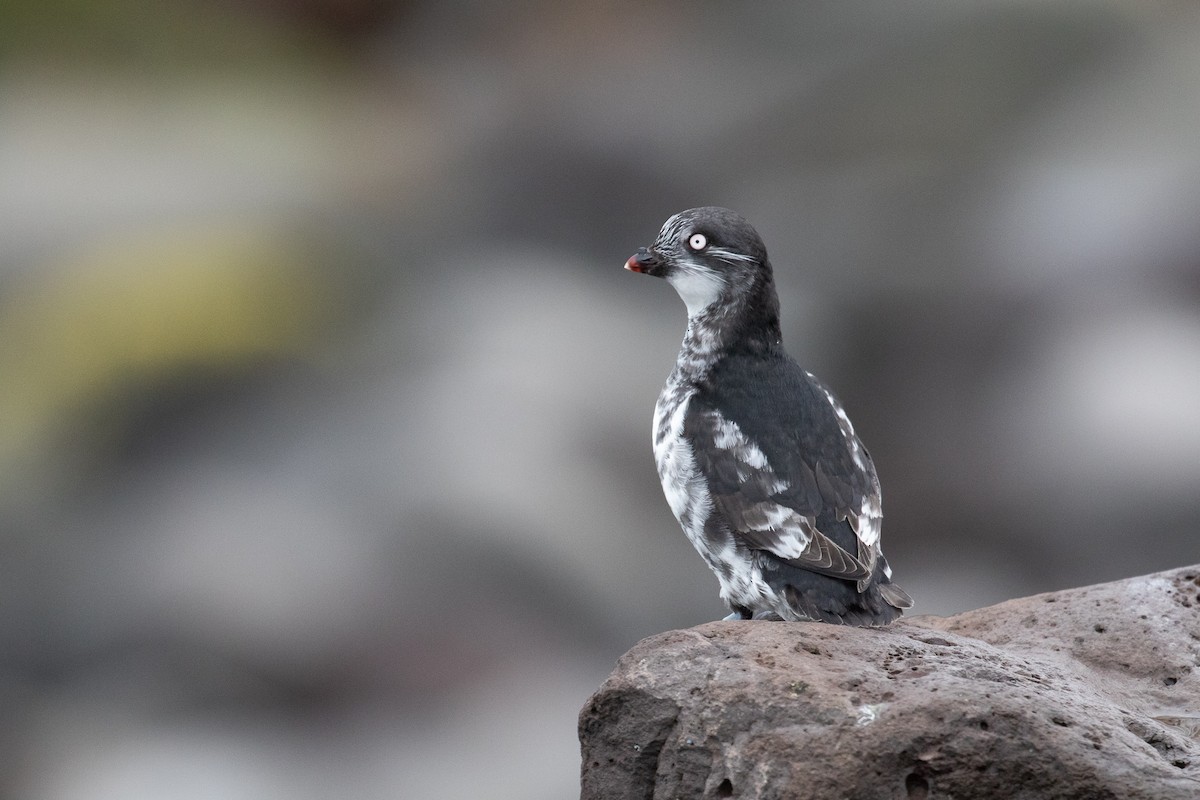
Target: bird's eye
x,y
697,242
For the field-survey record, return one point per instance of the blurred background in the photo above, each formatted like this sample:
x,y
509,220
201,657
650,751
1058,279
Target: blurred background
x,y
325,403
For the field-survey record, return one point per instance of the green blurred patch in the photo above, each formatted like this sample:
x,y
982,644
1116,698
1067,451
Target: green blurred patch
x,y
170,35
126,313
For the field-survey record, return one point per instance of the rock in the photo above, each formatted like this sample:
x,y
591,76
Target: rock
x,y
1085,693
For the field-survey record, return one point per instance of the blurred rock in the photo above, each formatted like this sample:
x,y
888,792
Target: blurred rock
x,y
1083,693
324,399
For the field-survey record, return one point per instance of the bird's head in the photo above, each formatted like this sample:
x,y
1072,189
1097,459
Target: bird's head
x,y
706,254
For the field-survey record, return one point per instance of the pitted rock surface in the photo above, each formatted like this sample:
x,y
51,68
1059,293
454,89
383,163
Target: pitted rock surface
x,y
1084,693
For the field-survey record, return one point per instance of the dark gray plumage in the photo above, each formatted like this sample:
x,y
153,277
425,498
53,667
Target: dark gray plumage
x,y
757,458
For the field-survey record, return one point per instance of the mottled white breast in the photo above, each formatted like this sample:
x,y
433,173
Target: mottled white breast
x,y
688,494
685,488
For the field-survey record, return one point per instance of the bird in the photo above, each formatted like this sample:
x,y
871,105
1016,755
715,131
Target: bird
x,y
758,459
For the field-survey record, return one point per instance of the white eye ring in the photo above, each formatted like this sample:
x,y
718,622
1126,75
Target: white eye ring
x,y
697,242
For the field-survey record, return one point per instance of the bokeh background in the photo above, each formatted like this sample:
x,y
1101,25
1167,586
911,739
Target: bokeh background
x,y
324,400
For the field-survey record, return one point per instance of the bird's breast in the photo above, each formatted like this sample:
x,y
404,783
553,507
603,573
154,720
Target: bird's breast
x,y
684,487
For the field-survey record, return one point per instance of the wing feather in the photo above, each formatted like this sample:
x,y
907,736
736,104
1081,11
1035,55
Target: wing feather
x,y
772,512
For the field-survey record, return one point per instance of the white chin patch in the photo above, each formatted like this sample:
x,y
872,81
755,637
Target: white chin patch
x,y
698,287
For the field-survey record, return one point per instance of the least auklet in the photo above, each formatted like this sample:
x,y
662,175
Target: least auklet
x,y
757,458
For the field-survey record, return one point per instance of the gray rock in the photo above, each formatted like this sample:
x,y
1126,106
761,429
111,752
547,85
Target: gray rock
x,y
1084,693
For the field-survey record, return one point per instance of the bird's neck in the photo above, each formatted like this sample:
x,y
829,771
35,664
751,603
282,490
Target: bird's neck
x,y
746,323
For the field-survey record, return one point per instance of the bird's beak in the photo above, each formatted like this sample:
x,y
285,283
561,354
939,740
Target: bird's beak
x,y
645,261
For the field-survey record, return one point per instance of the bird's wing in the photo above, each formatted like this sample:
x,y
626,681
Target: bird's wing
x,y
862,503
777,491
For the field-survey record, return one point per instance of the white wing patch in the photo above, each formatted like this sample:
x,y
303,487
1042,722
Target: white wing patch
x,y
750,459
867,522
866,525
793,532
